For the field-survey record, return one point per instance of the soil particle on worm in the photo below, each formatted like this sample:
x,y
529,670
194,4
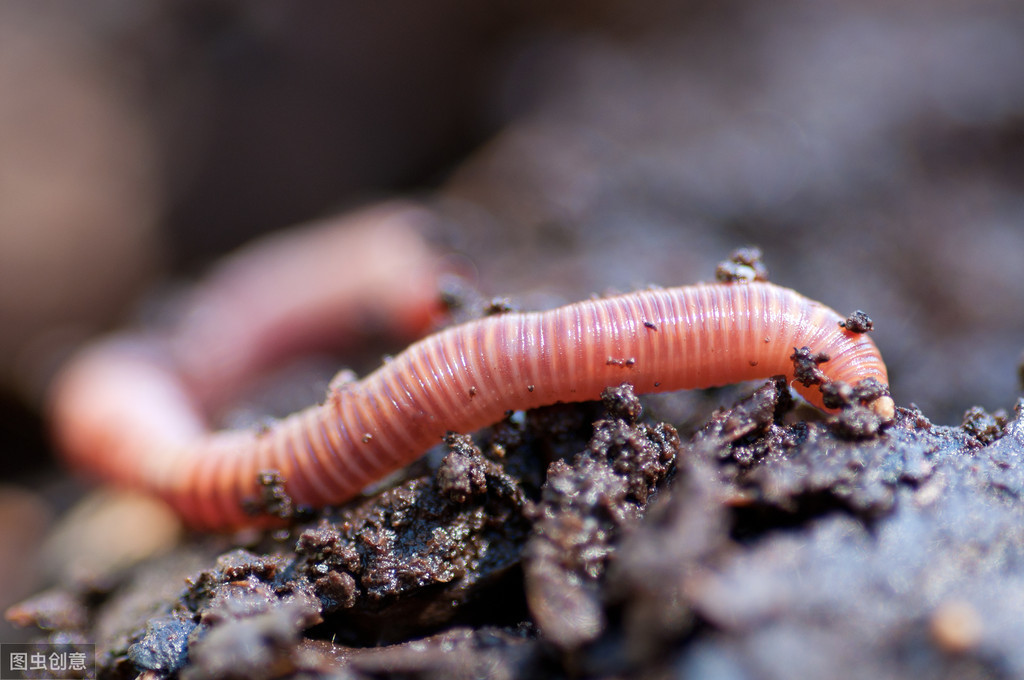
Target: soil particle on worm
x,y
274,499
858,322
805,366
854,419
838,394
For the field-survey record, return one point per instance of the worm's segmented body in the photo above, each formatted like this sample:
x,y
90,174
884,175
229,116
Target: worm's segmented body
x,y
468,376
131,408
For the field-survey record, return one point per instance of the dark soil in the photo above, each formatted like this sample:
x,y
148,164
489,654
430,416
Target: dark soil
x,y
758,544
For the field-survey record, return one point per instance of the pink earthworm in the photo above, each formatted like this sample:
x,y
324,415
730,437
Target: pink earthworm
x,y
125,411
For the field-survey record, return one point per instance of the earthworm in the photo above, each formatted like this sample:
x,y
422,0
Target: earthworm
x,y
124,410
306,289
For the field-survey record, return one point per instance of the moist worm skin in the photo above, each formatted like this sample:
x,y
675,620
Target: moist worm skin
x,y
462,379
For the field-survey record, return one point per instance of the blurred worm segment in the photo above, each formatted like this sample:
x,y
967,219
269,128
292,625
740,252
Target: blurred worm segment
x,y
125,411
132,408
314,288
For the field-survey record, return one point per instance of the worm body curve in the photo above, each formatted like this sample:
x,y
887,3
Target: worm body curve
x,y
147,430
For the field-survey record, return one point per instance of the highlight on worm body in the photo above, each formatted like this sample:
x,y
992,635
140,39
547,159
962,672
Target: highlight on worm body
x,y
131,408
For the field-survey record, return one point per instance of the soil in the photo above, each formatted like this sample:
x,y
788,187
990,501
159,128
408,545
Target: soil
x,y
636,554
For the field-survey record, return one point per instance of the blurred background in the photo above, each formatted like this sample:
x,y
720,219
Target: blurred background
x,y
874,150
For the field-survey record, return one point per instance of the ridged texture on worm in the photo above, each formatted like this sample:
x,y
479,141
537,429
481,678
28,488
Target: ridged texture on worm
x,y
468,376
143,427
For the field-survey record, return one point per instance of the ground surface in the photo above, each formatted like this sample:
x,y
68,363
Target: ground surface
x,y
760,546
